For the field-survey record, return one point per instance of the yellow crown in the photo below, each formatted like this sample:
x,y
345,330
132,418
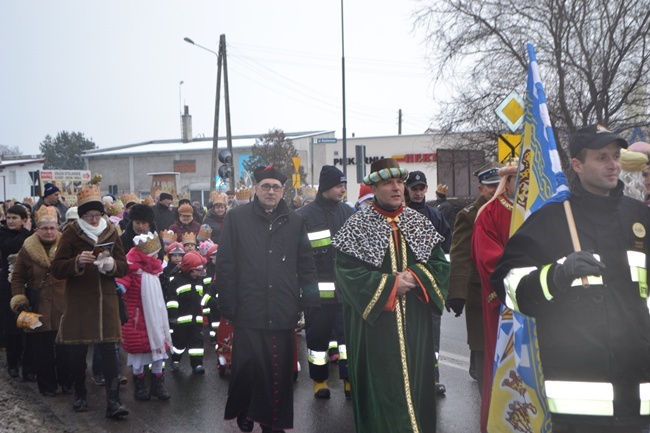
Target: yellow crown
x,y
168,236
205,232
148,244
87,193
148,201
243,194
309,192
218,197
113,209
189,238
46,214
130,198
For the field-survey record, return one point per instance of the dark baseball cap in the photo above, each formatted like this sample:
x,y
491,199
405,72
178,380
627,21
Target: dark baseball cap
x,y
416,178
593,137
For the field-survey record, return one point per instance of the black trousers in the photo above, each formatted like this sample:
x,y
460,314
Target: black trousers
x,y
328,318
187,337
78,353
52,361
19,352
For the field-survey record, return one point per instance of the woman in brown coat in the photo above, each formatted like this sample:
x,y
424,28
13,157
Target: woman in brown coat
x,y
32,269
92,312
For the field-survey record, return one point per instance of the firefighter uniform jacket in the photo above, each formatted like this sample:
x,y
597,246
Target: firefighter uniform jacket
x,y
594,342
323,219
185,295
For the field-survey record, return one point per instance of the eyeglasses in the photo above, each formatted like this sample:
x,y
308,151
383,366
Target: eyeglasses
x,y
47,229
92,216
266,187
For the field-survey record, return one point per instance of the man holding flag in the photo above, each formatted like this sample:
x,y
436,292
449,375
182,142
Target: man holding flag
x,y
583,280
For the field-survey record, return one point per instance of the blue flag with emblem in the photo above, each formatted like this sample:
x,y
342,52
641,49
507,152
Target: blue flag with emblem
x,y
518,402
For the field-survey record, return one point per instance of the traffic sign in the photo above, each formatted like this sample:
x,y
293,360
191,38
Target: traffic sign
x,y
296,163
511,111
326,140
508,146
295,180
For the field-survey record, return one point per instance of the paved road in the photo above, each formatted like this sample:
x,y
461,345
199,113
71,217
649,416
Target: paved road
x,y
197,401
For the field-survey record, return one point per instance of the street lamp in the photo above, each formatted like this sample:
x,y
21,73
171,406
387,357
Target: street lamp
x,y
215,132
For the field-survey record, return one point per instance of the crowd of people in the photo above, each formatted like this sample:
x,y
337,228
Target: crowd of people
x,y
371,280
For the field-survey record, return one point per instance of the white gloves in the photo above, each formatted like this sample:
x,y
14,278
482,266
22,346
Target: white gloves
x,y
104,262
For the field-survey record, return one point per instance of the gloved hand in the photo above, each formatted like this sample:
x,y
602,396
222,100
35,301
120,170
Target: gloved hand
x,y
577,265
456,304
104,262
22,308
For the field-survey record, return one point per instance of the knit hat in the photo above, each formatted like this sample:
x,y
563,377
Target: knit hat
x,y
330,177
49,189
364,193
593,137
269,172
71,214
142,212
165,196
384,169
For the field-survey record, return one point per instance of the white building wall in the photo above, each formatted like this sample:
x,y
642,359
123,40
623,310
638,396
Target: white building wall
x,y
15,180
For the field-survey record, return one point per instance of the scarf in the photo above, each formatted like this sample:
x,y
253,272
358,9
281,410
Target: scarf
x,y
91,231
155,316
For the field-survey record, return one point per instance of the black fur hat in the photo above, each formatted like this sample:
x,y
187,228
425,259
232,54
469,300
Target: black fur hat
x,y
142,212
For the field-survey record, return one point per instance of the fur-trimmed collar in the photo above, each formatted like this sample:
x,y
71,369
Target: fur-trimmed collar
x,y
36,251
366,234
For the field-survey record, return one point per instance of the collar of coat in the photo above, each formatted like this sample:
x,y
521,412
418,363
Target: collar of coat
x,y
366,235
34,248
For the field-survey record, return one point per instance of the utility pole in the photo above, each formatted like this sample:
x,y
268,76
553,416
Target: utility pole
x,y
222,52
399,122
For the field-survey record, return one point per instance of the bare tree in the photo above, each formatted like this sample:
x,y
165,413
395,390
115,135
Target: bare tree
x,y
593,55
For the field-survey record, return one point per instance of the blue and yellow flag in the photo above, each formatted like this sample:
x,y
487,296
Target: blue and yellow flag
x,y
518,401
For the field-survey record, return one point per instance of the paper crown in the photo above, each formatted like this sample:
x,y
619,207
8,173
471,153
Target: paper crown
x,y
147,243
113,209
205,232
442,189
87,193
46,214
148,201
168,236
130,198
189,238
243,194
218,197
309,192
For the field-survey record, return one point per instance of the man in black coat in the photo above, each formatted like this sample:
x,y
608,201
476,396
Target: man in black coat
x,y
324,217
417,188
164,215
265,275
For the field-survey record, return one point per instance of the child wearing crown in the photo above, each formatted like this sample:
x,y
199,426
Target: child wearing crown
x,y
146,336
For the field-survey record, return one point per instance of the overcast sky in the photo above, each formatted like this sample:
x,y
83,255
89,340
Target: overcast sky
x,y
111,69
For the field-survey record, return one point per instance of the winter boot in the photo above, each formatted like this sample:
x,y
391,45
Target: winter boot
x,y
321,390
80,403
140,391
157,390
114,407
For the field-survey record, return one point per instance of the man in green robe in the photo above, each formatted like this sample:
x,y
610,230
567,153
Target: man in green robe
x,y
392,272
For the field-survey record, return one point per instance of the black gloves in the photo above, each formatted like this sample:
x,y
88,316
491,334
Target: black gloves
x,y
577,265
456,304
22,308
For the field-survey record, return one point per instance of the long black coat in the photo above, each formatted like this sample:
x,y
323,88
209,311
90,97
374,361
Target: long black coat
x,y
10,243
265,268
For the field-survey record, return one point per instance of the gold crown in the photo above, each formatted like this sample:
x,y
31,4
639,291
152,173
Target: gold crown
x,y
29,201
87,193
218,197
205,232
148,201
309,192
113,209
130,198
168,236
189,238
46,214
148,244
442,189
243,194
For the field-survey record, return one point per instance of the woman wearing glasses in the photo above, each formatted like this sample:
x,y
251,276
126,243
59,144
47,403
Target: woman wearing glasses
x,y
32,270
89,257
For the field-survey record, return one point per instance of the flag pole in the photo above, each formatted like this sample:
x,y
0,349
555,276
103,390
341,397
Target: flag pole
x,y
574,235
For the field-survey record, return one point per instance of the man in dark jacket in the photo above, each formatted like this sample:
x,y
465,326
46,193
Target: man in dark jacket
x,y
324,217
52,197
417,188
593,338
165,216
264,262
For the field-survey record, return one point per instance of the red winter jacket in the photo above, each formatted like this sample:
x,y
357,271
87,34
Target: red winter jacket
x,y
134,332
